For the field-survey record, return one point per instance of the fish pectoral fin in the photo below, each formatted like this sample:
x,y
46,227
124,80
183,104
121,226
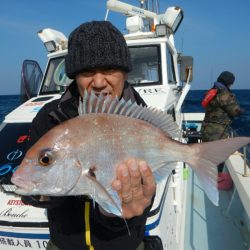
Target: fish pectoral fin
x,y
112,204
108,199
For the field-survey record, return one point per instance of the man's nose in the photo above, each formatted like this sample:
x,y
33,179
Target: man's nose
x,y
99,80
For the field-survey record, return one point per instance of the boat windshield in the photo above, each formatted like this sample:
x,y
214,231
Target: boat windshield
x,y
55,80
145,63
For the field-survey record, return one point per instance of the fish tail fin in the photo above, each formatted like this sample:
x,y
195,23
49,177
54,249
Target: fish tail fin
x,y
208,155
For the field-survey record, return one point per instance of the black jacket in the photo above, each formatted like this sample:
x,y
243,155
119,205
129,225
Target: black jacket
x,y
72,217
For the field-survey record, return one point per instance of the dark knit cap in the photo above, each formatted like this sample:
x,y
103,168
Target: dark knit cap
x,y
226,77
96,44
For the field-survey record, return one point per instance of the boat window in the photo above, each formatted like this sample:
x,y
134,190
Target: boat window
x,y
170,68
145,62
146,65
31,78
55,80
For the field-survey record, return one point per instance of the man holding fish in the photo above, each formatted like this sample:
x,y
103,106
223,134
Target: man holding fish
x,y
96,144
98,60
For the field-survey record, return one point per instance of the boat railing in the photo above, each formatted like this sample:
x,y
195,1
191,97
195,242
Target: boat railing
x,y
243,152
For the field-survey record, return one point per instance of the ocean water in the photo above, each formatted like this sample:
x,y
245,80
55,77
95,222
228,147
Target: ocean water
x,y
241,124
7,104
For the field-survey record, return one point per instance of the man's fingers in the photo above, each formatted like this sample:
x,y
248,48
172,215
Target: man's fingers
x,y
135,179
148,180
135,185
124,176
127,197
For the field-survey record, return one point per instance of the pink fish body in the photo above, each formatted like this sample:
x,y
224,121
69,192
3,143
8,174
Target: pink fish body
x,y
79,156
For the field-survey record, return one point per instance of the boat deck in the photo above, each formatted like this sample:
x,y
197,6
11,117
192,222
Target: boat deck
x,y
209,227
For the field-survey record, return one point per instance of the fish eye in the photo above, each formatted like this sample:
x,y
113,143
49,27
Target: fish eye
x,y
46,157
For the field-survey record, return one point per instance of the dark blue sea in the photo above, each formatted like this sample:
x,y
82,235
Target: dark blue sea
x,y
7,104
240,124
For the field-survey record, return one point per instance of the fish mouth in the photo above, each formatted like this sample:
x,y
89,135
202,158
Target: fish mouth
x,y
24,186
21,191
21,187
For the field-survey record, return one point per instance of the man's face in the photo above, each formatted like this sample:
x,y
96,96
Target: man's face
x,y
102,81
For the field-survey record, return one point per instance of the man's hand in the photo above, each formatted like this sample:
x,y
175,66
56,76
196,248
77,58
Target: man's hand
x,y
135,185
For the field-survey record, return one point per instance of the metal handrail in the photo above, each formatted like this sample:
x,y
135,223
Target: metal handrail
x,y
233,133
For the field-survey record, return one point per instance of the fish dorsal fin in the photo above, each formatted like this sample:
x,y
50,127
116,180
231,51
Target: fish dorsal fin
x,y
90,103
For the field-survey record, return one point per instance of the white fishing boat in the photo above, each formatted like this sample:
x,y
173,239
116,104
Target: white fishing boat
x,y
182,217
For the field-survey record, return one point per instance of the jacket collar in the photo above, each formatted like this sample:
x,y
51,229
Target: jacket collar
x,y
221,86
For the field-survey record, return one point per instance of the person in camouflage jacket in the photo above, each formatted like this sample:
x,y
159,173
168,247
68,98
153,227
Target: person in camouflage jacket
x,y
220,110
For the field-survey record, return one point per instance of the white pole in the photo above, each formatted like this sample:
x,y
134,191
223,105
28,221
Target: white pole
x,y
184,92
128,9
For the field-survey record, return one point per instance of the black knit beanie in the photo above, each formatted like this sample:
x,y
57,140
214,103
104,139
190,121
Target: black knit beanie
x,y
96,44
226,77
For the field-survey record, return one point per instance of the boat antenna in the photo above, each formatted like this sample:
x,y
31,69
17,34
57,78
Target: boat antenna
x,y
182,44
107,14
152,5
142,2
157,6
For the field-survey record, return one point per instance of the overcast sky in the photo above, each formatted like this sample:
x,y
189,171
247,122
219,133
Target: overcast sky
x,y
215,32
